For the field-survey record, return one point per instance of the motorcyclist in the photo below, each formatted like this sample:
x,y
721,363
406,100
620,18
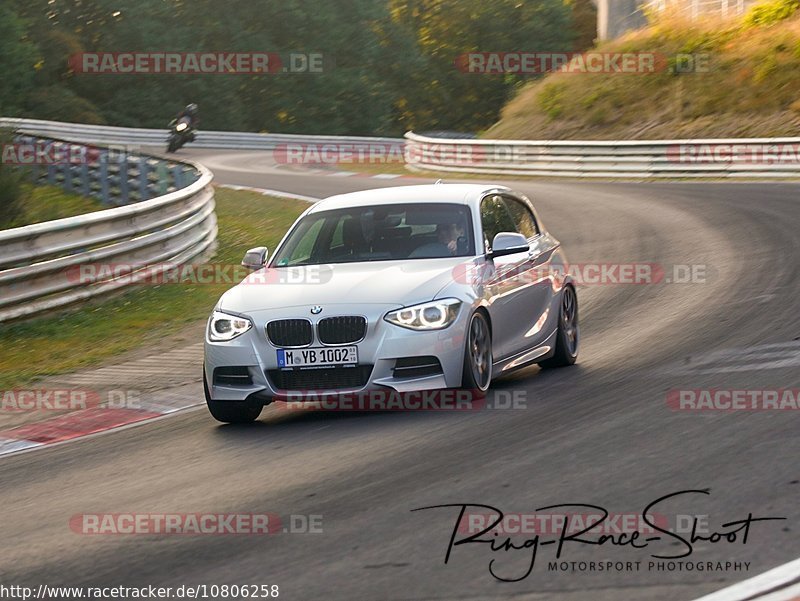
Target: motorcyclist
x,y
191,111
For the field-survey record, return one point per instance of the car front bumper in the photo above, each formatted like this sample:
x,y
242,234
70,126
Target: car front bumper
x,y
383,344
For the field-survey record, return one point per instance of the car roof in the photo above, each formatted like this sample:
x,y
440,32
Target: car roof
x,y
445,193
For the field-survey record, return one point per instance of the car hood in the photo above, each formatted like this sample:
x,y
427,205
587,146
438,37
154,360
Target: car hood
x,y
397,283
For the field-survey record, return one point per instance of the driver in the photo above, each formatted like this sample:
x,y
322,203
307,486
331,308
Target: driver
x,y
448,235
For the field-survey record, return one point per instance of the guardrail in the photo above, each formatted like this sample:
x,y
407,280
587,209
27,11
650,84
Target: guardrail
x,y
714,158
158,137
40,264
115,176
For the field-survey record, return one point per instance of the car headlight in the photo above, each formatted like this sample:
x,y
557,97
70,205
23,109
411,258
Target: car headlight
x,y
223,327
435,315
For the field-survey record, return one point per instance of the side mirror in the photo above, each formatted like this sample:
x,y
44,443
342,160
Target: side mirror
x,y
255,258
508,243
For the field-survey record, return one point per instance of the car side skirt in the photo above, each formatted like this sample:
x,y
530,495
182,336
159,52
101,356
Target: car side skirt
x,y
526,358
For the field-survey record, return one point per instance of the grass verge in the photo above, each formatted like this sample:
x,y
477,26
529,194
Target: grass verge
x,y
45,203
713,79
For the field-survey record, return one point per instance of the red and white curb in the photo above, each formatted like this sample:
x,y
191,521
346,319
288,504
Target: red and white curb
x,y
85,422
764,587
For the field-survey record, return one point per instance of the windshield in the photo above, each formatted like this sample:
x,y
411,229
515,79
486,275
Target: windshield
x,y
379,233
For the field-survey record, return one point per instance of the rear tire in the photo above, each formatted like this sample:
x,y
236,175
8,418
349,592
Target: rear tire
x,y
568,335
231,412
478,354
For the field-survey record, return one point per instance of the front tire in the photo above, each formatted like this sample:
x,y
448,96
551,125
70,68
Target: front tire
x,y
231,412
174,143
478,354
568,335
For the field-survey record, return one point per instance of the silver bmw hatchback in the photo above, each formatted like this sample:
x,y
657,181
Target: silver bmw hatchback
x,y
401,289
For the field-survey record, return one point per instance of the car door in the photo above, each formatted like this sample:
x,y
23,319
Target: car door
x,y
504,288
533,290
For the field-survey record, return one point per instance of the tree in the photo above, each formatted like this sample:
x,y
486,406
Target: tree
x,y
448,98
18,55
388,65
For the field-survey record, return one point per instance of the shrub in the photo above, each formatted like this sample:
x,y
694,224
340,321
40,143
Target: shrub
x,y
550,100
770,12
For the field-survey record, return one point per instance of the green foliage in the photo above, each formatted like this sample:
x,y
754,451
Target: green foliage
x,y
551,100
770,12
441,96
714,80
389,65
10,189
60,103
766,68
10,197
584,21
45,203
18,59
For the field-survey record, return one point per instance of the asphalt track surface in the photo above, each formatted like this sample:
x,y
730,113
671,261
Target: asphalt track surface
x,y
600,432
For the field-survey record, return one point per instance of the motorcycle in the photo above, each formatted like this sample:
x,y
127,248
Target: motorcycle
x,y
181,133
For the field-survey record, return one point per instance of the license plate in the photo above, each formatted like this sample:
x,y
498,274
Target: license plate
x,y
312,357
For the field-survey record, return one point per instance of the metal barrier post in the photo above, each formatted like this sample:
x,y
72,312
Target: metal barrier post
x,y
67,171
103,175
163,175
144,190
123,181
85,190
177,175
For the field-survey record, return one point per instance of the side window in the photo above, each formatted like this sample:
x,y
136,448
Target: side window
x,y
495,218
523,218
